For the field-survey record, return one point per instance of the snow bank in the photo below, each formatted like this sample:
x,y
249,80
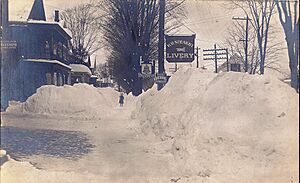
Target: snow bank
x,y
79,100
230,126
161,112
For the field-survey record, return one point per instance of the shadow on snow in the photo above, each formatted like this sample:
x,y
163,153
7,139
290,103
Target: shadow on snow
x,y
20,143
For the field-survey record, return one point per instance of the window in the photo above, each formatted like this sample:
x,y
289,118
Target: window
x,y
47,50
55,79
48,78
55,48
65,52
60,50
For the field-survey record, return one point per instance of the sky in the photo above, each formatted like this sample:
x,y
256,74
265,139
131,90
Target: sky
x,y
208,19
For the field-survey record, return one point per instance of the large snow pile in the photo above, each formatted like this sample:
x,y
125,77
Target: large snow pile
x,y
228,126
79,100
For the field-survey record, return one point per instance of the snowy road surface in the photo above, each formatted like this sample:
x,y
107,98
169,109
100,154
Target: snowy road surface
x,y
109,148
23,143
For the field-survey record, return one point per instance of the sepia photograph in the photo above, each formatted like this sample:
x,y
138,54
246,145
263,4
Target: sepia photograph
x,y
149,91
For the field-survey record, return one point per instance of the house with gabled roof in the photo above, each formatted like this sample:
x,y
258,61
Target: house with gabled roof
x,y
42,56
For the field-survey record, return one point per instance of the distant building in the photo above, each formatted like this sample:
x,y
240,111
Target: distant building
x,y
235,63
93,80
105,82
80,73
95,74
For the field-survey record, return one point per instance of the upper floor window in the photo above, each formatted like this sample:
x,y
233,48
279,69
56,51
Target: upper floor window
x,y
47,49
47,46
55,49
60,50
65,52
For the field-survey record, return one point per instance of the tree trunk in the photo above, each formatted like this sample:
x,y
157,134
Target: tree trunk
x,y
262,61
137,82
293,67
137,87
294,77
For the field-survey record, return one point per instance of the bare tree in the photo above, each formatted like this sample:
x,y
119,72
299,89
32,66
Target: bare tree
x,y
236,44
130,30
261,13
289,18
84,23
103,70
234,41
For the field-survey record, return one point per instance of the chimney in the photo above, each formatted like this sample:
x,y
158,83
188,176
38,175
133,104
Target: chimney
x,y
56,16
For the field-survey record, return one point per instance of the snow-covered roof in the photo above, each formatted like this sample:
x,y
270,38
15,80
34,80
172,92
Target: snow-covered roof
x,y
42,22
67,31
80,68
47,61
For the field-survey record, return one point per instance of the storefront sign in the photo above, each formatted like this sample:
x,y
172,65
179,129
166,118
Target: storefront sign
x,y
9,44
180,48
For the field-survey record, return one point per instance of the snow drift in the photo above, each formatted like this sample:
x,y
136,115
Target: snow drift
x,y
79,100
236,125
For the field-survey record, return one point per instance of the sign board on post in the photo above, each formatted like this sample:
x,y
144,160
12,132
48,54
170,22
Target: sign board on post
x,y
161,79
146,71
180,48
9,44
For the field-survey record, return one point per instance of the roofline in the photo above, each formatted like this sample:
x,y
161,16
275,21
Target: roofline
x,y
37,22
89,72
47,61
181,35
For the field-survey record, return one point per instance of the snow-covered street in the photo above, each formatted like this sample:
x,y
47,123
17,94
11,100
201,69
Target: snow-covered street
x,y
118,154
216,130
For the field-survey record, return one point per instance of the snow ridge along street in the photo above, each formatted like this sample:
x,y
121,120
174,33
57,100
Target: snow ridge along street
x,y
202,127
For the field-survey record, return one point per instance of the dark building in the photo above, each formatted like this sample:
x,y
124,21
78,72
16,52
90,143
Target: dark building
x,y
42,56
43,47
235,63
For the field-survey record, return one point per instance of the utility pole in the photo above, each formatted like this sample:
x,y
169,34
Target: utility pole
x,y
246,46
213,55
227,60
216,58
246,38
161,41
197,54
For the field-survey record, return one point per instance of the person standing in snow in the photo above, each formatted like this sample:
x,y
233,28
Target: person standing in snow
x,y
121,100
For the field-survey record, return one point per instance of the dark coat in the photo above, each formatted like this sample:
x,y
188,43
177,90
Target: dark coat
x,y
121,99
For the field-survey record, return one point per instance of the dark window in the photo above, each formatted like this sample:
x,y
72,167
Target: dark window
x,y
55,49
60,50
